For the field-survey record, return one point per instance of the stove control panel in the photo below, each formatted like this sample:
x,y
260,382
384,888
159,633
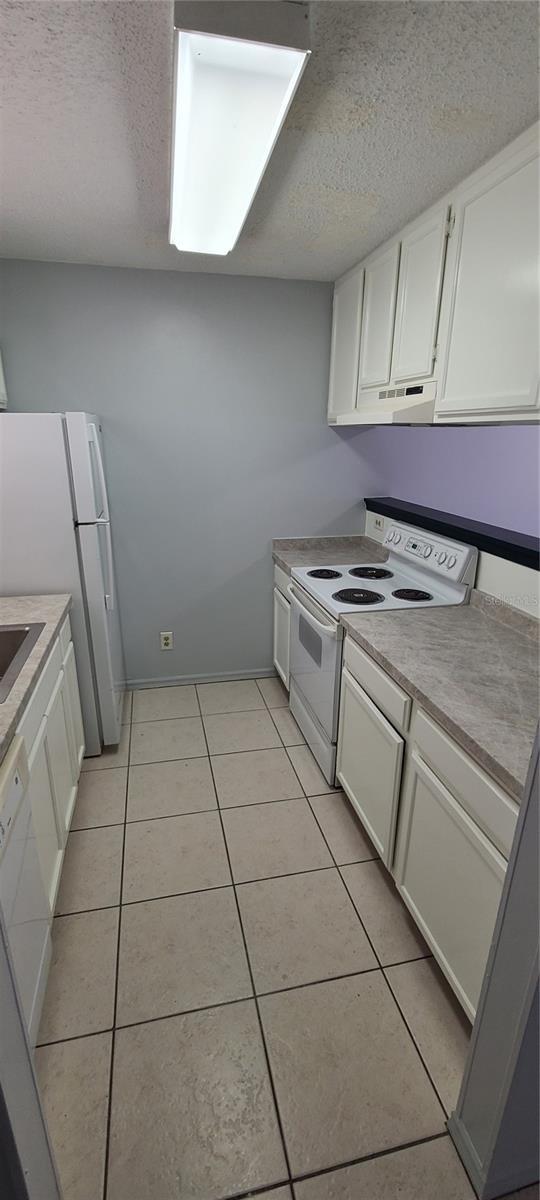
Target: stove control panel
x,y
446,558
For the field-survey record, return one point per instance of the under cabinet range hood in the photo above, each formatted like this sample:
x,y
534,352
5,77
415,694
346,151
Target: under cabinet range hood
x,y
412,404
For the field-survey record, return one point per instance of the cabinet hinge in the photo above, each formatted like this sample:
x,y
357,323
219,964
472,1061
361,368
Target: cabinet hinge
x,y
435,352
450,223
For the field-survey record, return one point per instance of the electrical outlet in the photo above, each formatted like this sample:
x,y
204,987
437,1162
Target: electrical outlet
x,y
375,526
166,640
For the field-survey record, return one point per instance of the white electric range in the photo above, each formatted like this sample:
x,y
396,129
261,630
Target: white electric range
x,y
422,571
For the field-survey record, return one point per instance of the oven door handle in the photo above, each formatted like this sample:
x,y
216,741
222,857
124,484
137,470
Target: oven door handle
x,y
328,630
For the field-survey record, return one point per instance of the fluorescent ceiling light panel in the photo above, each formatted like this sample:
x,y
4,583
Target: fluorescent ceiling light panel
x,y
231,99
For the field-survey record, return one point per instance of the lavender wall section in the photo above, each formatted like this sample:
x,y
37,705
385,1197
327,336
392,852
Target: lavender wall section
x,y
489,474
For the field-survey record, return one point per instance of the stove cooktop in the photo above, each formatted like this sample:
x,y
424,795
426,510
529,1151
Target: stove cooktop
x,y
421,571
347,587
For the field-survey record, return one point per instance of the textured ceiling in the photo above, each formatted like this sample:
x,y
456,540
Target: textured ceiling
x,y
398,102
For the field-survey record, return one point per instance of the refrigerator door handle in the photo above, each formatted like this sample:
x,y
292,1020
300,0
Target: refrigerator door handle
x,y
100,470
109,596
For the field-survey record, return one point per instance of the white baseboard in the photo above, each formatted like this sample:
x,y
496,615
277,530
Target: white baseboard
x,y
175,680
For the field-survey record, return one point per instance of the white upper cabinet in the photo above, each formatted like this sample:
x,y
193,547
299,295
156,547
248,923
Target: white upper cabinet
x,y
446,327
346,318
380,288
489,322
418,299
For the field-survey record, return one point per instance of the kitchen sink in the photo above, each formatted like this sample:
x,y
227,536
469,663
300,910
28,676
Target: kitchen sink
x,y
16,642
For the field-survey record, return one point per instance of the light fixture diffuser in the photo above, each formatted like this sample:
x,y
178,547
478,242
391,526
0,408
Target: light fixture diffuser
x,y
231,99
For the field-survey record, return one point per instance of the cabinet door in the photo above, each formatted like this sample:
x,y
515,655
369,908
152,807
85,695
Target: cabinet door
x,y
27,914
57,749
48,841
450,876
491,359
418,299
346,318
74,715
282,625
369,757
377,332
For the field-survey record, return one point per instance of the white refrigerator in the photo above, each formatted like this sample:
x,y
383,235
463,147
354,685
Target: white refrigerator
x,y
55,536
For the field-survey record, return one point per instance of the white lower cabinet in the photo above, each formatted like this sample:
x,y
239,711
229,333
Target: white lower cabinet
x,y
369,758
282,625
48,839
450,876
442,826
51,726
74,714
59,759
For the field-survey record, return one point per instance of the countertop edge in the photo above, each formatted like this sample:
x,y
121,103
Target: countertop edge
x,y
24,685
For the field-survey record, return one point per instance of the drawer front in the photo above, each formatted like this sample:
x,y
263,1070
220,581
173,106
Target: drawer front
x,y
491,808
65,636
281,580
387,695
35,711
369,757
450,877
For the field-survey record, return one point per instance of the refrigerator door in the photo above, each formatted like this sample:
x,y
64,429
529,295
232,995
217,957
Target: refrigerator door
x,y
86,455
98,579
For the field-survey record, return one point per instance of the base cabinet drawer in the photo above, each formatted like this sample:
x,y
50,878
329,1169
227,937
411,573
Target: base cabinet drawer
x,y
450,876
282,632
387,695
369,758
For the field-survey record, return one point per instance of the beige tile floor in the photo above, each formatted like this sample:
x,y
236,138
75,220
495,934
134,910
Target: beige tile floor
x,y
238,1002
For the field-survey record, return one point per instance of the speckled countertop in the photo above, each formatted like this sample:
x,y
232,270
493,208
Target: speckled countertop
x,y
319,552
473,668
25,610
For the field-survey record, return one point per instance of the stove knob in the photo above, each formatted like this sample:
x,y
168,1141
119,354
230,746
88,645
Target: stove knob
x,y
427,551
441,557
451,562
397,537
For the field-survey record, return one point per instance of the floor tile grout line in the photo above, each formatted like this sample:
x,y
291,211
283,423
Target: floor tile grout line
x,y
189,1012
363,1158
313,795
194,812
155,762
117,967
377,957
222,712
184,1012
398,1006
266,1189
222,887
413,1038
252,980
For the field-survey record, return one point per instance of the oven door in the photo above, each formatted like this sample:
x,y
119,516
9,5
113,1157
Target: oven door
x,y
315,659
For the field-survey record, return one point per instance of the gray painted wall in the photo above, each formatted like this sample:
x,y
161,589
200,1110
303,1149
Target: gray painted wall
x,y
212,391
